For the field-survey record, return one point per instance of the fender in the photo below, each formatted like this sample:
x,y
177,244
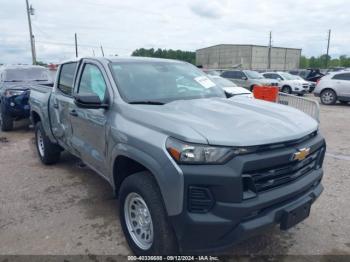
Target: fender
x,y
172,193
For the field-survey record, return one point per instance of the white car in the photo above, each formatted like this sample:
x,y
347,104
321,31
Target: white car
x,y
288,83
333,87
231,88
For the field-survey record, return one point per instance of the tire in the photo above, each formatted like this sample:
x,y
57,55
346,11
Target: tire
x,y
48,152
140,190
286,89
328,97
6,122
252,88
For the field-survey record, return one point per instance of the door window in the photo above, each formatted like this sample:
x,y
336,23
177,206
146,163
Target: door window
x,y
345,76
92,82
65,80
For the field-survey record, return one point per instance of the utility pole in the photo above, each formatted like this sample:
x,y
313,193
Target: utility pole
x,y
329,40
269,53
103,54
30,11
76,45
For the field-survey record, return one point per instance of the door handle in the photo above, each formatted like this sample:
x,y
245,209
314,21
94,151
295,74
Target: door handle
x,y
73,113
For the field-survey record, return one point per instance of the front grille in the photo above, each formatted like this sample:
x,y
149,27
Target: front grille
x,y
200,199
266,179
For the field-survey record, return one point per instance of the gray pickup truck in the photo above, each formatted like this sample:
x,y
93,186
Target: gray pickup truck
x,y
193,170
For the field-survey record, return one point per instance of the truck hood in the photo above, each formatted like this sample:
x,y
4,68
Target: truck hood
x,y
23,85
230,122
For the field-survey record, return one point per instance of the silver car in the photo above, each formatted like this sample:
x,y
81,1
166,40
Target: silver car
x,y
334,87
248,79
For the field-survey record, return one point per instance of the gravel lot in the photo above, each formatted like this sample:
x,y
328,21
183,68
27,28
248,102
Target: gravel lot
x,y
67,209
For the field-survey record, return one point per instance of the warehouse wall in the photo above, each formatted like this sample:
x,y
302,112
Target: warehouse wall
x,y
224,56
250,57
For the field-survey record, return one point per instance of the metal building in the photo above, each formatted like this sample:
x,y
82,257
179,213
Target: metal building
x,y
253,57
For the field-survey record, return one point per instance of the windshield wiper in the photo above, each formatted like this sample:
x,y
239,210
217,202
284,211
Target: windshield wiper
x,y
146,103
8,81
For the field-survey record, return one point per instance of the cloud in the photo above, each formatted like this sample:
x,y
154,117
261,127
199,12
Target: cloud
x,y
123,26
209,9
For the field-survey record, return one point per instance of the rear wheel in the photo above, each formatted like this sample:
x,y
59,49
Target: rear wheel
x,y
328,97
143,217
6,122
286,89
49,152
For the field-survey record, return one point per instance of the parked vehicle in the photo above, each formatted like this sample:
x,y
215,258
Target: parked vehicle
x,y
230,88
15,84
212,72
248,79
288,83
312,75
193,170
334,87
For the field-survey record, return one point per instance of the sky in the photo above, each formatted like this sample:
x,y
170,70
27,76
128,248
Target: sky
x,y
123,26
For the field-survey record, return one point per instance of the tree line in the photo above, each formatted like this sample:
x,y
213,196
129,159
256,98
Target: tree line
x,y
321,61
187,56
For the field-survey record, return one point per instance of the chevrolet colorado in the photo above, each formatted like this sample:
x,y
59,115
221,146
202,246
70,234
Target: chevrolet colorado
x,y
193,170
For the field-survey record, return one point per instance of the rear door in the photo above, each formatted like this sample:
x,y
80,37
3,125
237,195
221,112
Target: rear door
x,y
60,102
90,125
342,82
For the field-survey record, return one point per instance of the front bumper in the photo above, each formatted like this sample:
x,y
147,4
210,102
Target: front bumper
x,y
17,106
234,217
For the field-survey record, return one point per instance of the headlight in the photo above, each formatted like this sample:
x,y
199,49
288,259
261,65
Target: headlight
x,y
188,153
13,92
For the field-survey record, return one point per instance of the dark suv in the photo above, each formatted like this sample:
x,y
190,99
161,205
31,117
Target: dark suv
x,y
15,83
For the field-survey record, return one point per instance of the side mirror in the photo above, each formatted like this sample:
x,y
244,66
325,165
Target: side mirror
x,y
279,79
91,101
244,78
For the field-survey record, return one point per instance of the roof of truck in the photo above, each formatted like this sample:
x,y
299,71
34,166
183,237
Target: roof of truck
x,y
127,59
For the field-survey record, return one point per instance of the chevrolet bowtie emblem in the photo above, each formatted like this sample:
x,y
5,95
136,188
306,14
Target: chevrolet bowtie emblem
x,y
302,154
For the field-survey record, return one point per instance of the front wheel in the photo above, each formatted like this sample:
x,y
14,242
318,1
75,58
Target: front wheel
x,y
328,97
143,217
49,152
286,89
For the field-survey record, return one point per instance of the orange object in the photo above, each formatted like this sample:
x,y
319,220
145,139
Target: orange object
x,y
267,93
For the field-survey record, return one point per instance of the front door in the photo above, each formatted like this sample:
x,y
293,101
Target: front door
x,y
89,125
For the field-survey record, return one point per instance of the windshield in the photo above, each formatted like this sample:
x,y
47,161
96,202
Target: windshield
x,y
287,76
162,82
253,75
222,82
26,74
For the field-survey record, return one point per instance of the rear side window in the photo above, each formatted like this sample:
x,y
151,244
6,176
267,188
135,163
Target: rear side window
x,y
345,76
65,81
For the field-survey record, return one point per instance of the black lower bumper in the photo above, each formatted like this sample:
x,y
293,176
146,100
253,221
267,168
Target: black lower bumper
x,y
230,223
221,207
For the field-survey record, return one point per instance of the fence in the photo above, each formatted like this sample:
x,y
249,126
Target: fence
x,y
306,105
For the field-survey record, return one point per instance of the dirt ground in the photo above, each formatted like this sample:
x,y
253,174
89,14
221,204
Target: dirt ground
x,y
68,209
